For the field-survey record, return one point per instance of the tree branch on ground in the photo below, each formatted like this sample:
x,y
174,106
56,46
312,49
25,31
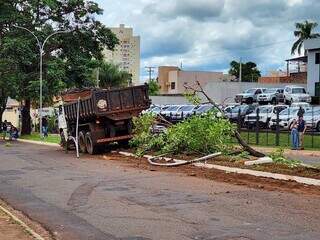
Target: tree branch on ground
x,y
198,89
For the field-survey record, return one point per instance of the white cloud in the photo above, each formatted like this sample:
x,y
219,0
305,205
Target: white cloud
x,y
208,34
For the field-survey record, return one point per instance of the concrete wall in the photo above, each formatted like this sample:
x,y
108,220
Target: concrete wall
x,y
190,78
226,91
163,100
221,92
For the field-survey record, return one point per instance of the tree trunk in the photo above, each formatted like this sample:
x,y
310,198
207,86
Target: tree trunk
x,y
3,105
246,146
25,117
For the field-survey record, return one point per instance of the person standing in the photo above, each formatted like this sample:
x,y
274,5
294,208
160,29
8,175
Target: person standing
x,y
302,127
45,126
294,135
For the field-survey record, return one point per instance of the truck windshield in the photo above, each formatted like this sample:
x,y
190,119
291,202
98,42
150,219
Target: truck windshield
x,y
298,90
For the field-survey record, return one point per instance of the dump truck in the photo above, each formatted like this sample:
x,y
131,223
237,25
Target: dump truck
x,y
100,116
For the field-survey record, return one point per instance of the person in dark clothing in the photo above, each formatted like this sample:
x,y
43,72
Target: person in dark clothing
x,y
301,112
45,126
14,133
302,127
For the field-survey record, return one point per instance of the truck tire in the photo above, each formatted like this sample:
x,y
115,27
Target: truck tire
x,y
64,143
82,142
273,101
124,143
90,146
318,127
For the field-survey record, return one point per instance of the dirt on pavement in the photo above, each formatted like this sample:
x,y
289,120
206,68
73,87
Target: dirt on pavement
x,y
12,230
217,175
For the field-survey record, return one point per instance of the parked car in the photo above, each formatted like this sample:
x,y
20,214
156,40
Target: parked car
x,y
203,109
238,113
312,118
183,112
169,111
296,94
265,115
286,117
271,95
249,96
300,104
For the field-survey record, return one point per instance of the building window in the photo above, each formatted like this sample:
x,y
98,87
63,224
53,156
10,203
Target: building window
x,y
318,58
173,85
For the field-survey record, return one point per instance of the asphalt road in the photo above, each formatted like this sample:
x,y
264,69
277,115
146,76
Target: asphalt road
x,y
90,198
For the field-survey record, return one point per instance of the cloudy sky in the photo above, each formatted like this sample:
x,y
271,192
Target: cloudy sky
x,y
208,34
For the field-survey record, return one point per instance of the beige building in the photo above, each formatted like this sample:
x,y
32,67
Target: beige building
x,y
12,112
172,79
127,53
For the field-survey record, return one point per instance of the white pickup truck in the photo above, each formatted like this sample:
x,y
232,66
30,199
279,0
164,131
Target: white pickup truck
x,y
296,94
249,96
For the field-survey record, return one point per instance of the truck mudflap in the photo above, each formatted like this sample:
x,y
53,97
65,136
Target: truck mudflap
x,y
114,139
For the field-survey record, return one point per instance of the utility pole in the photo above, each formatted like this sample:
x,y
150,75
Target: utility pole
x,y
240,71
150,70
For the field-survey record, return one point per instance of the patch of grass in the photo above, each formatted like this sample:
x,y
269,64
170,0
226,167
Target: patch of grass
x,y
269,139
52,138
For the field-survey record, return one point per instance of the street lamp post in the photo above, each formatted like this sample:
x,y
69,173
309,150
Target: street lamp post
x,y
41,49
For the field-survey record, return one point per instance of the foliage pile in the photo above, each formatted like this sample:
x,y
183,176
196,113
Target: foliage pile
x,y
199,134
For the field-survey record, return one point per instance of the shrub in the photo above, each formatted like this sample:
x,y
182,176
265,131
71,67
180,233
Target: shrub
x,y
199,134
278,157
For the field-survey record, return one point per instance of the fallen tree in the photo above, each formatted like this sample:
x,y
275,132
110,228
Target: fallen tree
x,y
198,89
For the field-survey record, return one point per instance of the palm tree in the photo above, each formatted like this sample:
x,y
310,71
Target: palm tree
x,y
112,76
303,31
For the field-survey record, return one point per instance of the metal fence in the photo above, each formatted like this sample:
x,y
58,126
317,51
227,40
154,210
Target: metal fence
x,y
274,128
270,128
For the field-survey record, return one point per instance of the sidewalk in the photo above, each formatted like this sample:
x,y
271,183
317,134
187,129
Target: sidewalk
x,y
306,156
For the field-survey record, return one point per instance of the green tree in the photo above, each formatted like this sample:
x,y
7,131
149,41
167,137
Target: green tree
x,y
67,56
303,31
250,72
154,87
111,75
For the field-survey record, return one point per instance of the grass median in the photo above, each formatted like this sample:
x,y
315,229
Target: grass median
x,y
52,138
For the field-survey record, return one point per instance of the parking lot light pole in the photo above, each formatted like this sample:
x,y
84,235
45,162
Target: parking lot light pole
x,y
41,50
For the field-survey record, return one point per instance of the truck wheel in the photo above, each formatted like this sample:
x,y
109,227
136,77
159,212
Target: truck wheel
x,y
274,101
318,127
250,100
82,142
91,148
64,143
124,143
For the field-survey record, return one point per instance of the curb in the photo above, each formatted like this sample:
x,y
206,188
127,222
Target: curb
x,y
277,176
39,142
20,222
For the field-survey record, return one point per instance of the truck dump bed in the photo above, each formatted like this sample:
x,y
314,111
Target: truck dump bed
x,y
115,104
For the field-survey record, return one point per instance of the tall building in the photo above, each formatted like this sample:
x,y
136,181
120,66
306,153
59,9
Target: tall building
x,y
127,53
